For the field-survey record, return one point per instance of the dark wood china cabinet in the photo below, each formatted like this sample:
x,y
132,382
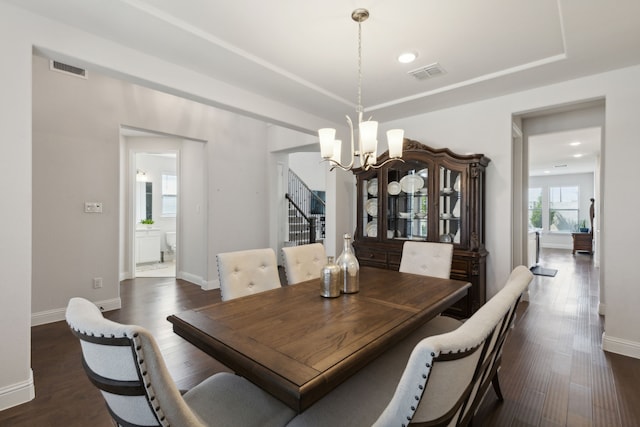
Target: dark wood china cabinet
x,y
436,196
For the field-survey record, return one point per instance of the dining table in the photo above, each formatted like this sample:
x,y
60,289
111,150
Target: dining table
x,y
298,345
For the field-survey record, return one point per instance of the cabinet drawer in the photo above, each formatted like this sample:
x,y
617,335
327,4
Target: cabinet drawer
x,y
372,257
460,269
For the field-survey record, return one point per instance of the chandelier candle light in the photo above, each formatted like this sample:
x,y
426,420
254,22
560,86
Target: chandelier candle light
x,y
330,147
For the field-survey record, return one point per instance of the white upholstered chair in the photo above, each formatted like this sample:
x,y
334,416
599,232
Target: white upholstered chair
x,y
124,362
247,272
427,258
439,380
303,262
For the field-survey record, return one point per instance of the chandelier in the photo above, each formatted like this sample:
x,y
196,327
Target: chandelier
x,y
331,148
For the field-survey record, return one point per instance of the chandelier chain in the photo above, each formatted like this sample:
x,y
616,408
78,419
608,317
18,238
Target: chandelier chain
x,y
359,108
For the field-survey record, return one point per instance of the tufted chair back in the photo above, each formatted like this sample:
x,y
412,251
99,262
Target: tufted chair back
x,y
303,262
447,375
247,272
427,258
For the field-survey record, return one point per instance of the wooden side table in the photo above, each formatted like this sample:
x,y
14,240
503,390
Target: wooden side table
x,y
582,242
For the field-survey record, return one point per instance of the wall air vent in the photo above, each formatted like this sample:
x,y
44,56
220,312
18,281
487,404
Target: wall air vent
x,y
427,72
67,69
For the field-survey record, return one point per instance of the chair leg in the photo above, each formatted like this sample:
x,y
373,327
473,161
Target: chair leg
x,y
496,387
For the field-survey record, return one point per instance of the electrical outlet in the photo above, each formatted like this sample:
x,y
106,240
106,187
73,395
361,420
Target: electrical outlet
x,y
97,282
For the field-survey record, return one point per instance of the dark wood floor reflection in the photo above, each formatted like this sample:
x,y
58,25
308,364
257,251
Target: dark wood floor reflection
x,y
554,372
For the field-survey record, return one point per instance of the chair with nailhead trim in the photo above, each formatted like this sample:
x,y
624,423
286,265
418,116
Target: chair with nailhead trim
x,y
427,258
437,376
125,363
303,262
247,272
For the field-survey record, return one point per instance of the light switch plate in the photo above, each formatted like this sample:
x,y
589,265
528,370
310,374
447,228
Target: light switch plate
x,y
93,207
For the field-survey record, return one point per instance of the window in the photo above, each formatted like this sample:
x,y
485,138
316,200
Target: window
x,y
169,195
535,207
563,209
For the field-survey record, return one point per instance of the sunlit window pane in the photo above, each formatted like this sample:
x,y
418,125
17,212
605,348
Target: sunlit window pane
x,y
563,209
535,208
169,195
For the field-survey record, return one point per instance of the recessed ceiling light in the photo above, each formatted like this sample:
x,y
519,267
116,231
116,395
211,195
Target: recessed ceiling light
x,y
577,155
575,144
407,57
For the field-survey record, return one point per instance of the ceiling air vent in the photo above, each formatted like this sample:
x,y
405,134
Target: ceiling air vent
x,y
67,69
427,72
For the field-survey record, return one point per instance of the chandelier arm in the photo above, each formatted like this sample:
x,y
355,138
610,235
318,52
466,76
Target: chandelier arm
x,y
376,166
353,153
333,164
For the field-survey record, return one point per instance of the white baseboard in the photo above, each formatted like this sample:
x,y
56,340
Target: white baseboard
x,y
556,246
17,394
192,278
205,285
56,315
211,284
110,304
620,346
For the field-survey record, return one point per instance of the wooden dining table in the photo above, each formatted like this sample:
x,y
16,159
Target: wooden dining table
x,y
299,346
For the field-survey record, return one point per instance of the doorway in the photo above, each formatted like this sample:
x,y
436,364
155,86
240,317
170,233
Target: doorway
x,y
176,168
150,210
156,195
557,162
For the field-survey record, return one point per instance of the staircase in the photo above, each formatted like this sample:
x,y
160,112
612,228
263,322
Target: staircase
x,y
306,213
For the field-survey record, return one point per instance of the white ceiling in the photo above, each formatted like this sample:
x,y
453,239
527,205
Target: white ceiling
x,y
556,153
304,53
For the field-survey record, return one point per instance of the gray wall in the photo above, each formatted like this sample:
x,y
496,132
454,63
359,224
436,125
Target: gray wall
x,y
76,158
309,168
485,126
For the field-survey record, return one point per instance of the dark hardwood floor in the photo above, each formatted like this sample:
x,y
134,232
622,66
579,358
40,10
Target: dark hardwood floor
x,y
554,372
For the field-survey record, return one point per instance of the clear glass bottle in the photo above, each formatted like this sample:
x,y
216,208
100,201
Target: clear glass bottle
x,y
349,268
330,276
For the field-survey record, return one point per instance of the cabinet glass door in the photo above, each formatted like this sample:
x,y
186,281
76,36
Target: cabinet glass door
x,y
370,207
407,201
450,205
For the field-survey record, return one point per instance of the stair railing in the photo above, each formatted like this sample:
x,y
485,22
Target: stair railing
x,y
309,206
301,238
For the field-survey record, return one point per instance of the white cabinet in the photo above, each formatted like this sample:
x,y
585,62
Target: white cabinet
x,y
147,246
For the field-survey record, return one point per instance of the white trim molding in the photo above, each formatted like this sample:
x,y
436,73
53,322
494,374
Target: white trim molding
x,y
556,246
602,309
17,394
620,346
56,315
211,284
192,278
